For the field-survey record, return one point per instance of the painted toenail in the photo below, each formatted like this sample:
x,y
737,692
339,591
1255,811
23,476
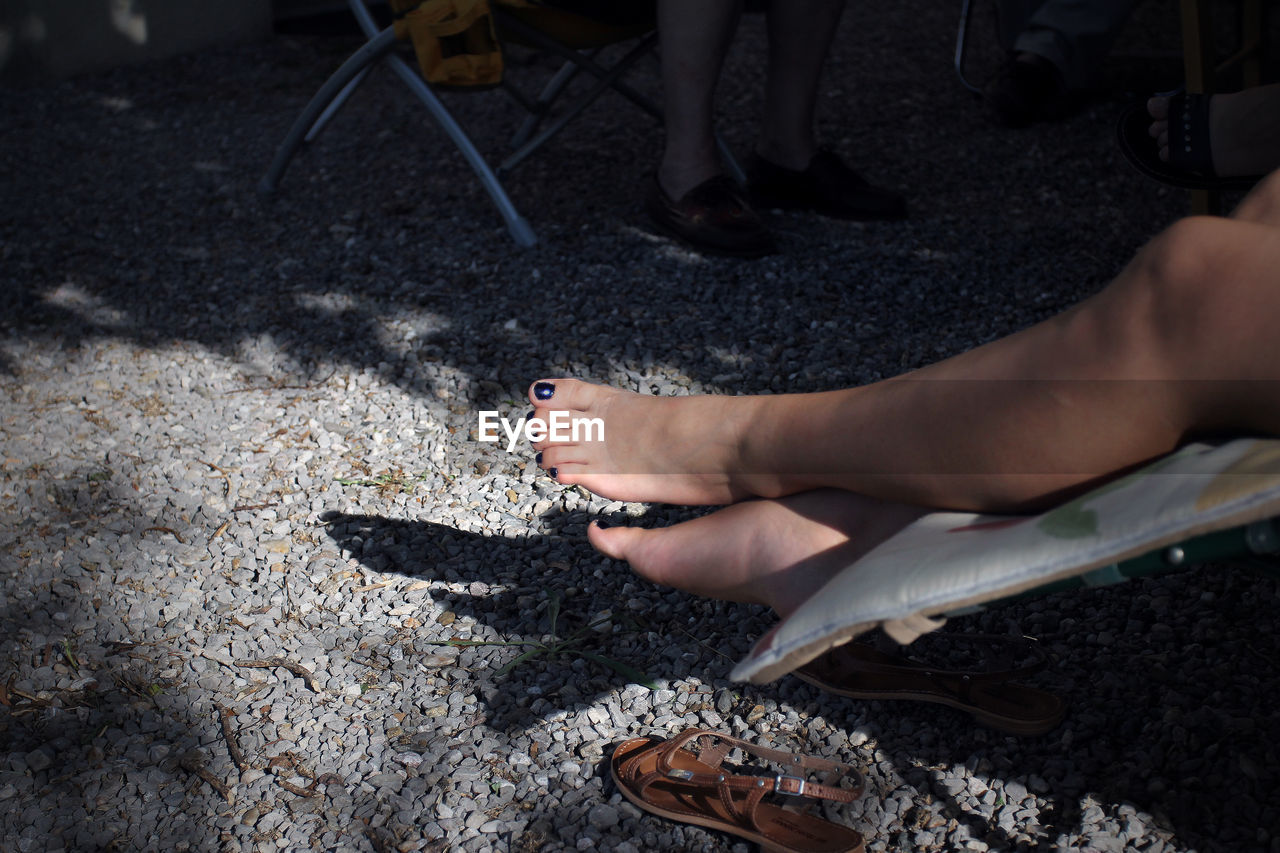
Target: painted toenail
x,y
532,414
602,524
537,460
544,390
552,472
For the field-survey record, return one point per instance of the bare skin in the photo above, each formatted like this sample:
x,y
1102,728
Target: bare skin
x,y
779,552
1180,344
1244,130
772,552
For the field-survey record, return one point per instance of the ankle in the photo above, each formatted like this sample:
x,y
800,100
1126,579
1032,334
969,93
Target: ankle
x,y
677,181
795,156
761,464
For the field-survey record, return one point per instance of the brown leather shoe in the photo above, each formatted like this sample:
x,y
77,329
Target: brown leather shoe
x,y
713,217
993,697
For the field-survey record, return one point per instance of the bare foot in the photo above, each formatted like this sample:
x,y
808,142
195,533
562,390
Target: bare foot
x,y
773,552
678,450
1244,130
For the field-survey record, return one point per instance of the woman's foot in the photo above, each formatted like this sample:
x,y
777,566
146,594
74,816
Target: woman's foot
x,y
636,447
773,552
1244,130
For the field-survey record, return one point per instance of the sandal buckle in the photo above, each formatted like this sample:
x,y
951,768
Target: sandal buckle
x,y
778,789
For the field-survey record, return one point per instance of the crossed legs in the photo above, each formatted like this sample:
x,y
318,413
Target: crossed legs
x,y
1181,343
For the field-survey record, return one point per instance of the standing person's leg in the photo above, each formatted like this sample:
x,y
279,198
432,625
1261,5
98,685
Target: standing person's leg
x,y
800,35
1181,342
788,169
691,198
1075,35
1055,56
694,38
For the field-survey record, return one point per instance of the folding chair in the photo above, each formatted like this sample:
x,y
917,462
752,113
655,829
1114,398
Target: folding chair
x,y
1198,505
576,39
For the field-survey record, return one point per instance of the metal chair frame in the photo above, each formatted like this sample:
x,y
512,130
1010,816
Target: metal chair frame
x,y
381,47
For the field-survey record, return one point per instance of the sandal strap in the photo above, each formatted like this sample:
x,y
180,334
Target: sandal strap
x,y
1189,146
756,786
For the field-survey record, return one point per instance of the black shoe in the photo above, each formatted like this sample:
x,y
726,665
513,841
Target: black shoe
x,y
713,217
826,186
1027,89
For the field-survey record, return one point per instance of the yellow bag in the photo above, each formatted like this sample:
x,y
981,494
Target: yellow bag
x,y
454,40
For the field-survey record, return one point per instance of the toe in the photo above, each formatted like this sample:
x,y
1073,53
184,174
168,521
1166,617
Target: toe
x,y
617,542
652,554
1158,107
1158,128
564,393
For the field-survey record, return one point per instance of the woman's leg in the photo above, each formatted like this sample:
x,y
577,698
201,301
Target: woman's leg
x,y
695,38
773,552
1183,341
800,35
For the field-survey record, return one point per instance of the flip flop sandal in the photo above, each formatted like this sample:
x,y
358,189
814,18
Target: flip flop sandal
x,y
1190,164
662,777
992,697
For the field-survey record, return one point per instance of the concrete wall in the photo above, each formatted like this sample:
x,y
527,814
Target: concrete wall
x,y
58,38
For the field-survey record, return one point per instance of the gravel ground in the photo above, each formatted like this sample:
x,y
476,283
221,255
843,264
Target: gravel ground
x,y
242,430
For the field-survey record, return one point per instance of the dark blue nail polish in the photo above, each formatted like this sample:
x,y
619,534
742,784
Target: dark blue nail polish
x,y
544,390
537,460
602,524
552,472
532,414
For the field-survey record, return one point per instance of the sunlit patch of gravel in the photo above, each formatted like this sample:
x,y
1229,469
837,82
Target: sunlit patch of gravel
x,y
236,431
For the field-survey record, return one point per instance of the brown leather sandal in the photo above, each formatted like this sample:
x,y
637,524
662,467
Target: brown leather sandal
x,y
992,697
662,777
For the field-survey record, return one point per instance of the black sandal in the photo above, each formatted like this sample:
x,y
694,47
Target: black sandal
x,y
1190,164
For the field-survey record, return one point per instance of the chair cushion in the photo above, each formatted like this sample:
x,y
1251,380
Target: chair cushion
x,y
947,561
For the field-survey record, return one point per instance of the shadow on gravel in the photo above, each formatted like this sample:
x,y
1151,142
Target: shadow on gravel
x,y
135,226
1155,715
517,617
1176,728
129,723
95,718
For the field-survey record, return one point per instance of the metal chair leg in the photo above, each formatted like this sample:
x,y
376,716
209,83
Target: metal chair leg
x,y
1197,57
319,105
607,81
962,45
538,109
336,104
585,63
518,227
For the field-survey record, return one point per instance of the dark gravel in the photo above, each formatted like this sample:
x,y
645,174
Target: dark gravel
x,y
234,428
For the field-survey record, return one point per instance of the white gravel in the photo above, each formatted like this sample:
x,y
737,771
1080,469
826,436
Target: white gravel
x,y
236,430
